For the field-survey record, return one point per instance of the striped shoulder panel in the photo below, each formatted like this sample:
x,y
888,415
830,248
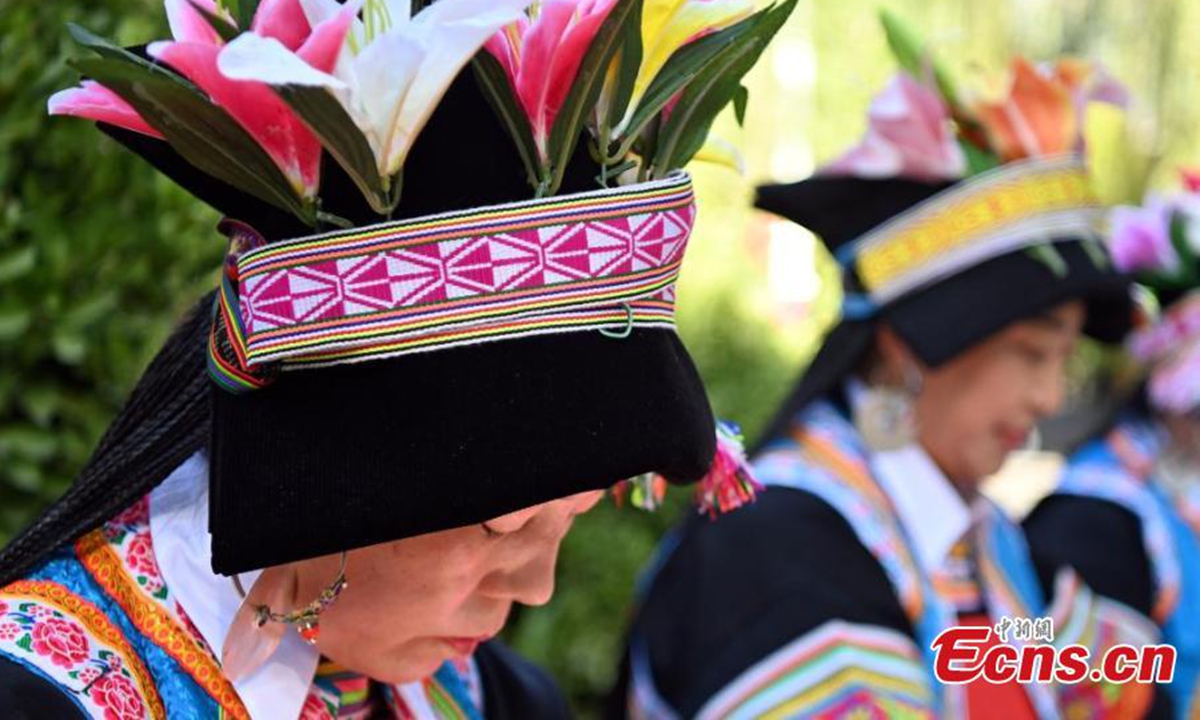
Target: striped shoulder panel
x,y
839,669
1082,617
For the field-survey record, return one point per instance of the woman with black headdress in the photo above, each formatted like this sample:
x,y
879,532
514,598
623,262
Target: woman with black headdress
x,y
971,267
343,470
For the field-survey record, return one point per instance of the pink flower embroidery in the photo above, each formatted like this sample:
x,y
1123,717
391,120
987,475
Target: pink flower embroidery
x,y
315,709
136,514
3,607
9,630
63,641
140,556
116,694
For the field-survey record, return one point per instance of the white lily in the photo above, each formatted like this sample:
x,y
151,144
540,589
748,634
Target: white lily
x,y
393,70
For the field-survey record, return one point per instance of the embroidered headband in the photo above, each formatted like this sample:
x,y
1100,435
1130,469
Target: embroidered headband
x,y
1014,206
599,260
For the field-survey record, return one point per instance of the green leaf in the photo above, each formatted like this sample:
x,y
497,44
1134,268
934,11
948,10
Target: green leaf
x,y
585,89
913,56
741,97
245,12
680,69
684,132
106,48
224,29
334,127
14,323
624,71
202,133
26,642
978,159
1189,268
17,263
493,81
1048,255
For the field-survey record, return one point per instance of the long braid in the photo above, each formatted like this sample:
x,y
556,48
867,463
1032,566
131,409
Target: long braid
x,y
164,421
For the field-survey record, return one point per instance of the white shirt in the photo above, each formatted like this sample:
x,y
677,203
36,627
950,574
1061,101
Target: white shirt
x,y
932,512
183,548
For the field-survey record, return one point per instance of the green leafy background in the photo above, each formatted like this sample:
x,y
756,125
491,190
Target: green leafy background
x,y
99,255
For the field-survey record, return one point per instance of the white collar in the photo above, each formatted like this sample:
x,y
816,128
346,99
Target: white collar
x,y
183,549
933,514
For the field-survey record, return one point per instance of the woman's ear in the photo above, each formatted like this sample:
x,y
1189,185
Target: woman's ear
x,y
897,363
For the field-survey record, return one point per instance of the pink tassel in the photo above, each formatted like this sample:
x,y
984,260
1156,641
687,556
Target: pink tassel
x,y
730,482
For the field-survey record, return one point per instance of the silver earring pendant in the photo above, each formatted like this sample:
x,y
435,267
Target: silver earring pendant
x,y
884,418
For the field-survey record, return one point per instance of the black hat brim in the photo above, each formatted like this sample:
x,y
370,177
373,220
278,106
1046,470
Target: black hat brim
x,y
332,459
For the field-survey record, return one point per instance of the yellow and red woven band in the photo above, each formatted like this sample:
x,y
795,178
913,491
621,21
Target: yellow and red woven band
x,y
1015,206
600,260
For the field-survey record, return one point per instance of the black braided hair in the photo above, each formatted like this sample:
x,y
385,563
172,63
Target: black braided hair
x,y
164,421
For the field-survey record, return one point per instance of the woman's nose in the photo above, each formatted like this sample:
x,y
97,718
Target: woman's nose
x,y
530,581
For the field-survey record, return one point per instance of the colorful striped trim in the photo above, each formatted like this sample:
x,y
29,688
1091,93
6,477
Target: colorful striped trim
x,y
601,260
1015,206
106,568
836,670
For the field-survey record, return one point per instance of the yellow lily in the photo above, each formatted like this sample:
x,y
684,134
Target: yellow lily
x,y
668,25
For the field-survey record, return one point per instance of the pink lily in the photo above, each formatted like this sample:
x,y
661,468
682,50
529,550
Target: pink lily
x,y
909,134
254,105
541,56
93,101
1139,238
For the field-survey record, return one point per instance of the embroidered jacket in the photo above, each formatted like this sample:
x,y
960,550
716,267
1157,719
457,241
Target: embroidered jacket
x,y
811,603
1133,539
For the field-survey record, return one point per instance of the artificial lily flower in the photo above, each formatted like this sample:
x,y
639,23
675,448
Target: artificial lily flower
x,y
909,134
93,101
391,73
255,106
1037,118
667,26
541,57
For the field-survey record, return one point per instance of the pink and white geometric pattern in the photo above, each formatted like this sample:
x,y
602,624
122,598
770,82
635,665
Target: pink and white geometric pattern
x,y
564,253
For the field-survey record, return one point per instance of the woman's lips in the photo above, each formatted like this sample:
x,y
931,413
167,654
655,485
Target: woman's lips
x,y
464,646
1013,439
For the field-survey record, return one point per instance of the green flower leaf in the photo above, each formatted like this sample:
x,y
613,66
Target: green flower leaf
x,y
26,642
1048,255
585,89
334,127
913,56
202,133
493,81
684,132
680,69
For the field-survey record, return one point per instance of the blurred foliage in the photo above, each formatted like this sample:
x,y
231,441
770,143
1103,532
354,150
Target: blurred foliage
x,y
98,254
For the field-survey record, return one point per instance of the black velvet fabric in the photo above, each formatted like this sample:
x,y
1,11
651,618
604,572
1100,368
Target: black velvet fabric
x,y
941,320
332,459
735,590
516,689
25,695
1102,541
